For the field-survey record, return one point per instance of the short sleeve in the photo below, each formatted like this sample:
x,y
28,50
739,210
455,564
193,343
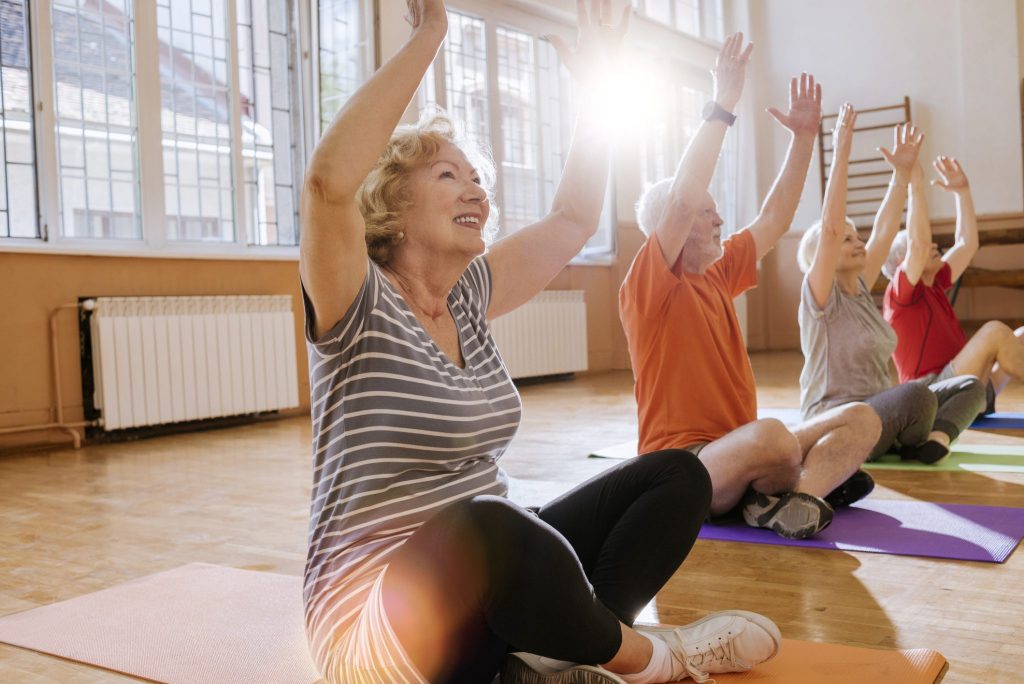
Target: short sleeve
x,y
738,265
903,293
346,329
810,307
477,281
649,282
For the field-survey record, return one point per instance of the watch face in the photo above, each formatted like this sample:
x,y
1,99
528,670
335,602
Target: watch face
x,y
709,109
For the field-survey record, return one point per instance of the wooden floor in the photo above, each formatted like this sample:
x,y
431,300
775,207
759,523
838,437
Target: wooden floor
x,y
74,522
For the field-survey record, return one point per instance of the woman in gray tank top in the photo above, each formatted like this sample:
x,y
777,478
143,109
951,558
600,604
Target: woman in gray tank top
x,y
419,568
847,345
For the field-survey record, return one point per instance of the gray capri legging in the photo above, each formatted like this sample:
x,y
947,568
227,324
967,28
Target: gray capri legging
x,y
910,411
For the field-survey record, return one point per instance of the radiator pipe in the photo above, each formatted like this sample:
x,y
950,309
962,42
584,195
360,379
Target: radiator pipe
x,y
59,423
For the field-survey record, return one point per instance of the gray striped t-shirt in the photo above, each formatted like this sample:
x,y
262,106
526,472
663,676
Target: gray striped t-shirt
x,y
399,432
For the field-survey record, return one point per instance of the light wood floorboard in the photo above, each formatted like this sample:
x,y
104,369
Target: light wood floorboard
x,y
74,522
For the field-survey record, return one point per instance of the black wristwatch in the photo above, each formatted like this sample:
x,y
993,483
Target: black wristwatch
x,y
714,112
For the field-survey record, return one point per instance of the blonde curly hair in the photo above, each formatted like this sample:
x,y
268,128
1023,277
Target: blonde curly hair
x,y
384,195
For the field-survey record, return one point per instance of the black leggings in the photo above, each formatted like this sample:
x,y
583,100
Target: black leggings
x,y
557,581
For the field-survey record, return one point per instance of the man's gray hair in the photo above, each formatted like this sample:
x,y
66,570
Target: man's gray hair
x,y
651,205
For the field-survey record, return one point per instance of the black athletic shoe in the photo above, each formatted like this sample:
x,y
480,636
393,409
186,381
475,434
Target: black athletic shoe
x,y
794,515
928,453
856,487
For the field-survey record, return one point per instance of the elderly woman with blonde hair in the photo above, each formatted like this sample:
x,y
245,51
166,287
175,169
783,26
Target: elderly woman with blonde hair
x,y
846,342
419,568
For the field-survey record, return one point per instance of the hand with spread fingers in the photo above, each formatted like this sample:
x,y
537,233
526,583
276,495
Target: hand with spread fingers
x,y
597,41
730,71
426,13
906,148
804,115
953,178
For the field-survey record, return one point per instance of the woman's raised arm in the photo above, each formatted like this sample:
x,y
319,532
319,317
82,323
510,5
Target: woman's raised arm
x,y
332,250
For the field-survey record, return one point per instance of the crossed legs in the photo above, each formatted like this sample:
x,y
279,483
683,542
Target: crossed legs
x,y
814,457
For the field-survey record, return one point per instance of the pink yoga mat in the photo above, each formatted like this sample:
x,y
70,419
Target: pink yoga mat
x,y
902,528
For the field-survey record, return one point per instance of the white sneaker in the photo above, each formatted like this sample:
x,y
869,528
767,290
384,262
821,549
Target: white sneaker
x,y
528,668
729,641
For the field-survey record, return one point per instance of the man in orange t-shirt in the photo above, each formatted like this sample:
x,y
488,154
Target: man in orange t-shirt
x,y
694,383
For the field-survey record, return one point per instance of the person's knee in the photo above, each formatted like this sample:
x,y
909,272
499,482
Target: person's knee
x,y
781,447
863,421
684,471
919,396
994,333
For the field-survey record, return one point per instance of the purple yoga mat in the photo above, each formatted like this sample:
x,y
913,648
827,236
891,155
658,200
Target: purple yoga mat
x,y
902,528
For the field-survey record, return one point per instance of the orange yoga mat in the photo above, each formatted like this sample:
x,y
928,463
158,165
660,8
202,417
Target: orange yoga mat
x,y
805,662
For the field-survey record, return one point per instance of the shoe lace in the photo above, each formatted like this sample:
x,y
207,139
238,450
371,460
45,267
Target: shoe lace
x,y
719,650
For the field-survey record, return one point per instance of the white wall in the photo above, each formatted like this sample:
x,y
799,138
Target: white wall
x,y
958,61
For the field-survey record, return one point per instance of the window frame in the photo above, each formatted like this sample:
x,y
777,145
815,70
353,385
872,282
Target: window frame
x,y
150,181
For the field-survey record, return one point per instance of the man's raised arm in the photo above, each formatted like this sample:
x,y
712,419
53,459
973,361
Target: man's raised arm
x,y
697,166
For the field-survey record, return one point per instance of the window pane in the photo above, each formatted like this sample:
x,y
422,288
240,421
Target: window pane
x,y
521,184
465,56
343,54
688,16
269,124
195,117
17,156
96,124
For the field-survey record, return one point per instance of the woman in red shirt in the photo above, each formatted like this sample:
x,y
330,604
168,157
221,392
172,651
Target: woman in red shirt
x,y
932,346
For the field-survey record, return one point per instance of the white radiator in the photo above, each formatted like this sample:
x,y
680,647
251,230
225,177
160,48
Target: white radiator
x,y
172,359
545,336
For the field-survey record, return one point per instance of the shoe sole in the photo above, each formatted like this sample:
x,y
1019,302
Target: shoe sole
x,y
518,671
759,620
778,517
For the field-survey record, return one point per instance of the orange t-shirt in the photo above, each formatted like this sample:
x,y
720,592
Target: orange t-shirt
x,y
694,382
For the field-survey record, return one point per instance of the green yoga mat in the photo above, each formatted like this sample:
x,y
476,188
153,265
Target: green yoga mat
x,y
979,458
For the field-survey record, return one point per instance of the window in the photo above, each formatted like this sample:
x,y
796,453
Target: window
x,y
17,156
701,18
218,170
195,117
520,104
343,54
270,123
93,75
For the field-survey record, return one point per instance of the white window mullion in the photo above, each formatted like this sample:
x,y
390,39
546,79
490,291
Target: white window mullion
x,y
541,151
45,120
494,111
234,98
150,145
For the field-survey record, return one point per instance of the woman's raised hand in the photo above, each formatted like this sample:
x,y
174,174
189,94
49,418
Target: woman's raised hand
x,y
426,13
953,178
905,150
597,41
843,131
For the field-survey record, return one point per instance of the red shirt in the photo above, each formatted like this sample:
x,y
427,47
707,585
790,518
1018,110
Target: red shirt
x,y
929,334
694,382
